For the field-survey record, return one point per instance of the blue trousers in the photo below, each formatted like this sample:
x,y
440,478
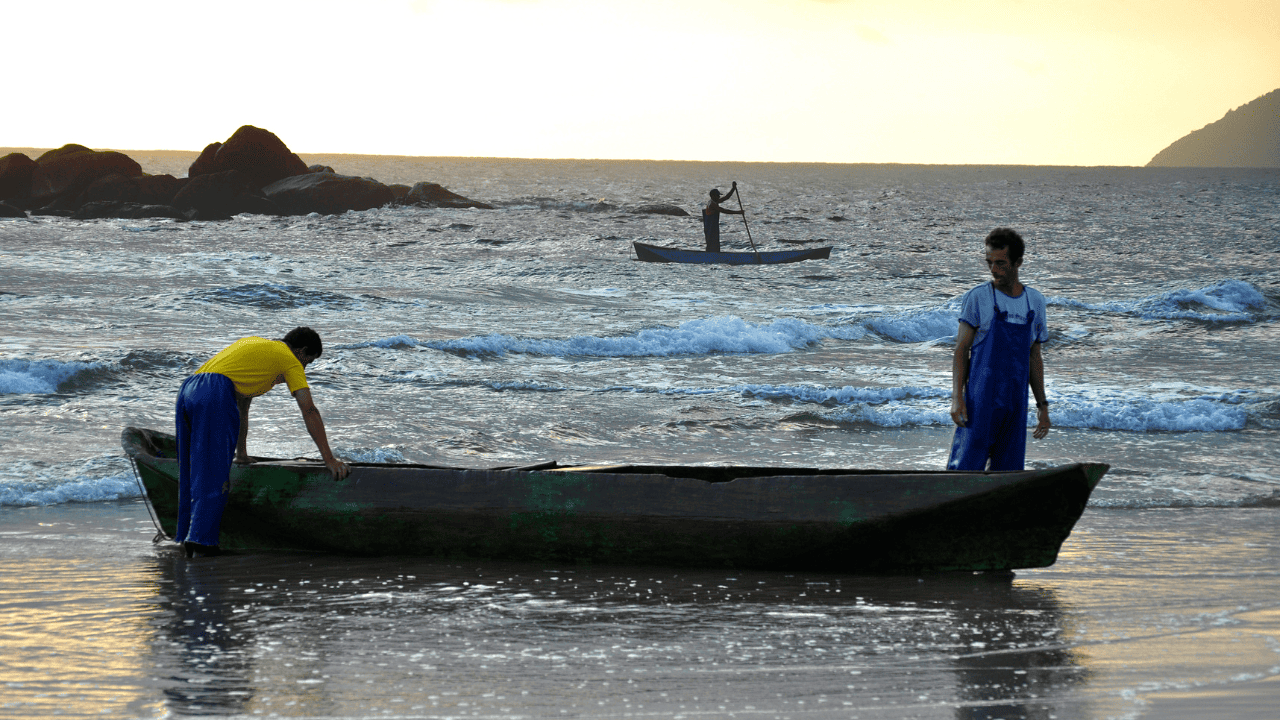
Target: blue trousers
x,y
208,423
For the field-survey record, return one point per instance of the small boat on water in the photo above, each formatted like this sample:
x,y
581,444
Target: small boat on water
x,y
655,253
781,518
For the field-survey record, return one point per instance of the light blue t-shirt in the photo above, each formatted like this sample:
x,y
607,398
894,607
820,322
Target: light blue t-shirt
x,y
977,311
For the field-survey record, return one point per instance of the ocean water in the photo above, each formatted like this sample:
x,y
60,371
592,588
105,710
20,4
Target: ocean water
x,y
529,333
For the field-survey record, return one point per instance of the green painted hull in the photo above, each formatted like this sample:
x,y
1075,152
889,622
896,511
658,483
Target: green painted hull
x,y
772,518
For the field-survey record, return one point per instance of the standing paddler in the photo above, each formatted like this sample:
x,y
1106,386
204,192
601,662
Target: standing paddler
x,y
711,216
997,356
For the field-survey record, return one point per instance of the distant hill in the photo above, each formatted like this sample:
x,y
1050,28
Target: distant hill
x,y
1248,136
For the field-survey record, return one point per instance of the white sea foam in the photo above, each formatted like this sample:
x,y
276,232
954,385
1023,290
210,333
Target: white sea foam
x,y
842,396
1199,415
116,487
917,326
39,376
398,341
1163,410
695,337
26,484
1090,408
895,414
1226,301
373,455
1133,415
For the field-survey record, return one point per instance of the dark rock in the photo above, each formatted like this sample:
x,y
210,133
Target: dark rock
x,y
327,193
1248,136
159,189
113,187
71,168
204,165
15,176
130,210
146,190
661,209
11,211
62,206
320,168
144,210
425,194
399,190
96,209
260,156
219,196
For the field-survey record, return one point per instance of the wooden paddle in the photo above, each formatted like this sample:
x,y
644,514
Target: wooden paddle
x,y
745,225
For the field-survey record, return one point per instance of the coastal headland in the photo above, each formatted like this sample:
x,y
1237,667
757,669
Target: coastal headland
x,y
1246,137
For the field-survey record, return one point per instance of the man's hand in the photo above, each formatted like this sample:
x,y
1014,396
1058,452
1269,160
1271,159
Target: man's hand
x,y
960,373
1042,424
337,468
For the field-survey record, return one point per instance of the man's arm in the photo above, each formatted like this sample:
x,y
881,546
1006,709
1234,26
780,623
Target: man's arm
x,y
960,372
242,443
1037,389
315,427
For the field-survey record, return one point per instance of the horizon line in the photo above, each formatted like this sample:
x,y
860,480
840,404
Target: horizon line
x,y
4,150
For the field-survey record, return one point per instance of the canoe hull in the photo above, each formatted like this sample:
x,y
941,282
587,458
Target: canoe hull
x,y
654,253
779,518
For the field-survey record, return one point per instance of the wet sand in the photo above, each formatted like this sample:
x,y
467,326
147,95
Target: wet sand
x,y
1148,614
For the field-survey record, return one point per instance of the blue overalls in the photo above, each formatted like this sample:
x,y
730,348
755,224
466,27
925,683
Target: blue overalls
x,y
208,422
711,230
996,397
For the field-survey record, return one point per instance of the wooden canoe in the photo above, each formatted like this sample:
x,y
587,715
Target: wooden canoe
x,y
854,521
655,253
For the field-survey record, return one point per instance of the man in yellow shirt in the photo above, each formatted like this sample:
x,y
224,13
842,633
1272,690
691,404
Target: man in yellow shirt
x,y
212,417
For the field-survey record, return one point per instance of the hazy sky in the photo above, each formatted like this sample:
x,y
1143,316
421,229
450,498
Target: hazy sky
x,y
1069,82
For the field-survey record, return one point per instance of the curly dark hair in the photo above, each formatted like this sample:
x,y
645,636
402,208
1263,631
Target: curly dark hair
x,y
1003,237
306,339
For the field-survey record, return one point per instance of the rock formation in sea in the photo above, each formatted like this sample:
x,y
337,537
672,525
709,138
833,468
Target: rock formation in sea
x,y
259,156
427,194
661,209
72,168
222,195
327,193
1248,136
15,175
253,171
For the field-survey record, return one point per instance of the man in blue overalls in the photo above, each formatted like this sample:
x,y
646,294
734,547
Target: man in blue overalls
x,y
1002,324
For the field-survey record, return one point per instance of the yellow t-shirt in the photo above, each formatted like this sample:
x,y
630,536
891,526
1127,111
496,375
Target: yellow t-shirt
x,y
256,364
